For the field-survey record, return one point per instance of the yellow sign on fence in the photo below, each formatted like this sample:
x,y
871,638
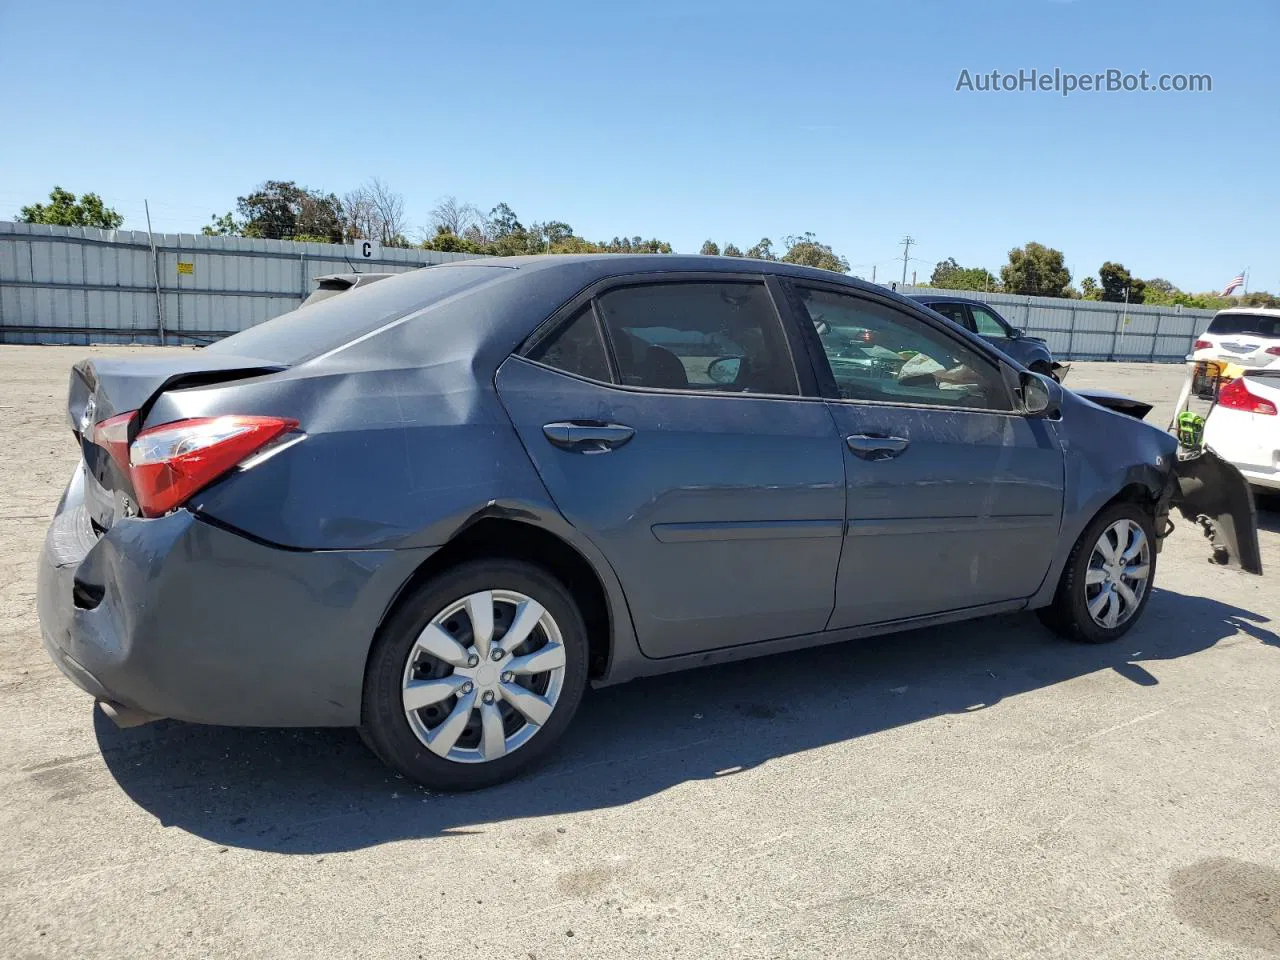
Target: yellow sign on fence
x,y
187,268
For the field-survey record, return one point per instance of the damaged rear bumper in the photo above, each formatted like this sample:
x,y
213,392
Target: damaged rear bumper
x,y
1211,492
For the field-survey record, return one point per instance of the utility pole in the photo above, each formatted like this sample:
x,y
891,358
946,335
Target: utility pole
x,y
873,273
155,266
906,251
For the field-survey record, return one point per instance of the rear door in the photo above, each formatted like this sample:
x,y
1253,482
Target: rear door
x,y
954,500
670,424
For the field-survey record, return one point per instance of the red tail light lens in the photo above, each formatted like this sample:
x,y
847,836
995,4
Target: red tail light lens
x,y
1203,345
113,436
1236,396
1273,351
172,462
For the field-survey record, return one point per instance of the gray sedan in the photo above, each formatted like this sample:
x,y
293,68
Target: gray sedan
x,y
437,506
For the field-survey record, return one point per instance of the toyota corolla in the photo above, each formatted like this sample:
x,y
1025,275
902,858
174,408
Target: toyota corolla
x,y
438,506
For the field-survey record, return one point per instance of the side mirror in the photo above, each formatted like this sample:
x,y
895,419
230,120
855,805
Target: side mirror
x,y
1041,397
724,369
1016,333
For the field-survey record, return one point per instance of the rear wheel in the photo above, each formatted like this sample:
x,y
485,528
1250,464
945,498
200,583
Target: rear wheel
x,y
1107,580
475,676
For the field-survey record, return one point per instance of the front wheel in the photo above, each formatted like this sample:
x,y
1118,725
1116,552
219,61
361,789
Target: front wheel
x,y
1107,580
475,676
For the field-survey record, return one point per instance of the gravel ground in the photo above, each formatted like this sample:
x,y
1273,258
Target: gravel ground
x,y
980,790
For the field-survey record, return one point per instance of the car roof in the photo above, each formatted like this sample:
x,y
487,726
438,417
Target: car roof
x,y
1257,311
943,298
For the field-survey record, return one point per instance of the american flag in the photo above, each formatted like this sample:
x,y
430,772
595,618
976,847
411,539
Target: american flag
x,y
1236,283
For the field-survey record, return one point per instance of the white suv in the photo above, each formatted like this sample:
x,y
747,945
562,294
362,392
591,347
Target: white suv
x,y
1246,336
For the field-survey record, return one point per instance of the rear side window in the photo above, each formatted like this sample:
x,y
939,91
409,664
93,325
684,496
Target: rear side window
x,y
320,327
952,311
696,335
576,348
1254,324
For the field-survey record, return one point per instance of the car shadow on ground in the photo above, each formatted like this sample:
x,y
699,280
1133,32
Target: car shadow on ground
x,y
316,791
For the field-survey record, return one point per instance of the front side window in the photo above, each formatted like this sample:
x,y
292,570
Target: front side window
x,y
878,353
713,336
986,323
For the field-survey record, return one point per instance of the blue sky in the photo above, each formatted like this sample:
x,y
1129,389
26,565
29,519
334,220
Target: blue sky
x,y
682,120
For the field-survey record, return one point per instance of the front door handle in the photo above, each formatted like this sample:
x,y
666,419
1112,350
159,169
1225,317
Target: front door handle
x,y
870,447
588,436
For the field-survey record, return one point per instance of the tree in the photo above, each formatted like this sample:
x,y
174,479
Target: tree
x,y
1035,269
1089,289
282,210
503,222
949,275
1159,285
449,242
762,250
64,210
376,212
709,249
222,226
450,216
807,251
1118,285
730,250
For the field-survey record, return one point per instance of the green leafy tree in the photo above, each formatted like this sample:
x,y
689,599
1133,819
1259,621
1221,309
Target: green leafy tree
x,y
1118,285
448,242
762,250
282,210
808,251
949,275
222,226
710,249
731,250
1089,289
65,210
1037,270
1260,298
503,222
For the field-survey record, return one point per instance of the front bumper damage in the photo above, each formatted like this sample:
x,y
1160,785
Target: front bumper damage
x,y
1212,493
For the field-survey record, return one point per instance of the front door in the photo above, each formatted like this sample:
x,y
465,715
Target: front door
x,y
666,420
954,499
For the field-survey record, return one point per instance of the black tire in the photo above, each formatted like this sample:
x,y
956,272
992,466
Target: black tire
x,y
384,726
1068,615
1045,370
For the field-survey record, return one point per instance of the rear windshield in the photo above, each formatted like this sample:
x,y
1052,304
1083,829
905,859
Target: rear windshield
x,y
1255,324
317,328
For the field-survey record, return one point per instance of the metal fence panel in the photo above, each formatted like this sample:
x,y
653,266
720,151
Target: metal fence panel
x,y
81,285
1092,330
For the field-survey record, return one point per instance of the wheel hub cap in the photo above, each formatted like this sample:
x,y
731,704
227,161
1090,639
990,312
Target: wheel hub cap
x,y
484,676
1118,574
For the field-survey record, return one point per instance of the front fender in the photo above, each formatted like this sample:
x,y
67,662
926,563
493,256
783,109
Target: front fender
x,y
1214,494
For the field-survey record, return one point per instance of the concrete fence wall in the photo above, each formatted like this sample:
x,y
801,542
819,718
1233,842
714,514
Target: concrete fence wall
x,y
80,285
1090,330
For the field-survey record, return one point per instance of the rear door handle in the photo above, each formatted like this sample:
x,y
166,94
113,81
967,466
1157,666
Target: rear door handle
x,y
588,436
870,447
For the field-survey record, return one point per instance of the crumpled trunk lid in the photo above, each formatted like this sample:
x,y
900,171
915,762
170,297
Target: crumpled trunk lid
x,y
105,387
1214,494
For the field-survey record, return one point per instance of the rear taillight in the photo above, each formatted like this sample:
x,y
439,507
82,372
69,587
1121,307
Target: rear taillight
x,y
113,436
172,462
1204,345
1273,351
1236,396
